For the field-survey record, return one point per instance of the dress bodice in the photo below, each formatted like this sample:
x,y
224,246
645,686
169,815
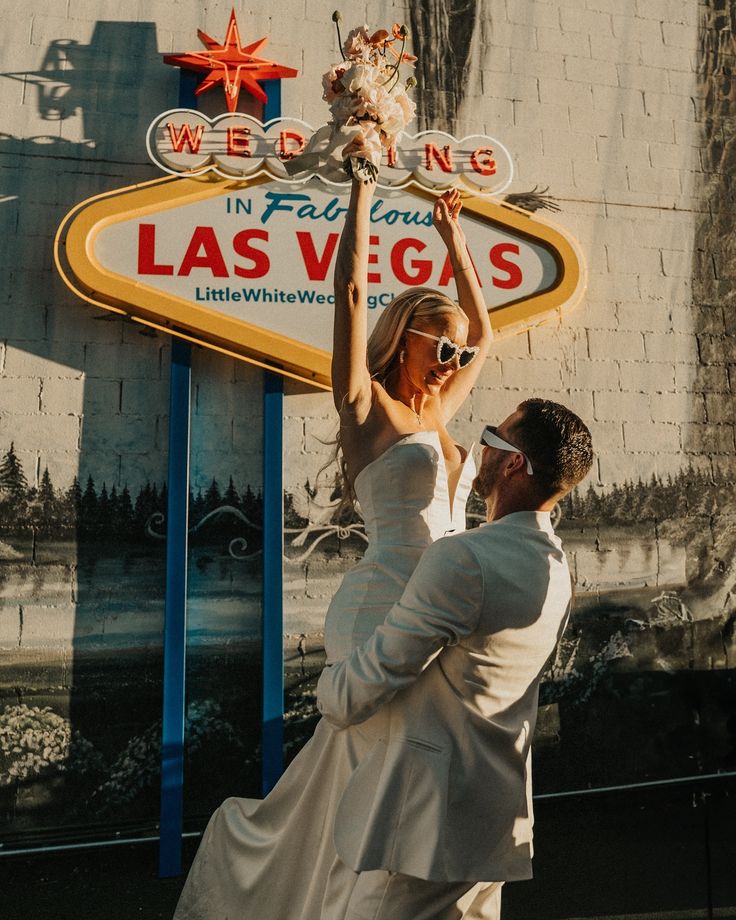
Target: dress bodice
x,y
404,499
404,494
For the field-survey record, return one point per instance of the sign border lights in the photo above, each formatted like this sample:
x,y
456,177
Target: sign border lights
x,y
79,267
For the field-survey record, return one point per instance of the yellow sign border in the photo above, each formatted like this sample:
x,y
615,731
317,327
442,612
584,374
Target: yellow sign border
x,y
83,274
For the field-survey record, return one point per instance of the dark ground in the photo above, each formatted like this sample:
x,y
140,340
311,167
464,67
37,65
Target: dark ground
x,y
668,854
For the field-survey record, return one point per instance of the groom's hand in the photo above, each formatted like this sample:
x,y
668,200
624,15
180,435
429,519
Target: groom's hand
x,y
440,605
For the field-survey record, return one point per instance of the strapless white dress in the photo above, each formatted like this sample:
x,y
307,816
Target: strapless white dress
x,y
269,859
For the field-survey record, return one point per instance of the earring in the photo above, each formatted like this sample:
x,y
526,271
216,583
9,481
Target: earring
x,y
402,356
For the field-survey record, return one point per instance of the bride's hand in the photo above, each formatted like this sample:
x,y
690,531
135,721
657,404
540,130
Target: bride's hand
x,y
363,147
355,147
445,218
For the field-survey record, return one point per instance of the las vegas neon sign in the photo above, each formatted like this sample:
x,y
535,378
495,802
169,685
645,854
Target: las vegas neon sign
x,y
240,261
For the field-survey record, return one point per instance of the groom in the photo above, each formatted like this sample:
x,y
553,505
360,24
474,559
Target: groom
x,y
443,798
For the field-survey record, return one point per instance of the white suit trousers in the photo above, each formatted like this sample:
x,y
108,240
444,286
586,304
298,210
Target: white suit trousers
x,y
382,895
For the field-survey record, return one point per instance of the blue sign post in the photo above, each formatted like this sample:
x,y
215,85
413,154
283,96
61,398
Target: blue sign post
x,y
273,549
173,714
174,689
175,621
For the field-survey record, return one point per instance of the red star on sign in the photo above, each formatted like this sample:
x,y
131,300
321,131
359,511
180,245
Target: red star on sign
x,y
231,64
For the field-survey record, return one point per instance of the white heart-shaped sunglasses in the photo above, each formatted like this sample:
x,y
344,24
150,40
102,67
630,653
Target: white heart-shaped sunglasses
x,y
447,349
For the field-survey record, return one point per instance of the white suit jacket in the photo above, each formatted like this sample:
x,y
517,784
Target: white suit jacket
x,y
444,792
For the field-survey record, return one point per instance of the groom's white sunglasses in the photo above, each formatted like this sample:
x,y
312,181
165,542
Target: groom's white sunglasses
x,y
447,349
491,439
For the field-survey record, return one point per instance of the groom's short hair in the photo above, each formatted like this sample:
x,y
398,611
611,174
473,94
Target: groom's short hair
x,y
556,441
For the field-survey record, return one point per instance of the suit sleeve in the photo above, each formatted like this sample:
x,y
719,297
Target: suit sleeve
x,y
440,605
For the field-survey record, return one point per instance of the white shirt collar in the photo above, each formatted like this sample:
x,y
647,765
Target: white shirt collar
x,y
537,520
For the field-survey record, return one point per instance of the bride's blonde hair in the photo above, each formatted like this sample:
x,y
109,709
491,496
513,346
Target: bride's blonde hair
x,y
415,305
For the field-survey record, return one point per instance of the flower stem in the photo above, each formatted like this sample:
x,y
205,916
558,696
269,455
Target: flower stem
x,y
394,75
336,19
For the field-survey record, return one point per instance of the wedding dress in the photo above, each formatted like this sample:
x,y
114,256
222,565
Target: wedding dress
x,y
269,859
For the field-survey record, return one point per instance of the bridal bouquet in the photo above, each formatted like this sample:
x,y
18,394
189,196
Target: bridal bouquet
x,y
365,90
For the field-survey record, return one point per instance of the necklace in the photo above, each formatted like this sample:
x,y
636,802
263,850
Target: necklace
x,y
417,416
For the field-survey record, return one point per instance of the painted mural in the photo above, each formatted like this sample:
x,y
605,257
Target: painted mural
x,y
642,686
80,696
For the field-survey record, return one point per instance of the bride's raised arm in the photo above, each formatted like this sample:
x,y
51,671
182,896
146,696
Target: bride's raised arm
x,y
351,382
470,297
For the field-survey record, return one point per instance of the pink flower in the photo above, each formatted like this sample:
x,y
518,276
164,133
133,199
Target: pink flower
x,y
342,109
370,102
406,104
359,76
332,83
357,44
392,120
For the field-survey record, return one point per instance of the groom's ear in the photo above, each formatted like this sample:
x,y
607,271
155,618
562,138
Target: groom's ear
x,y
515,464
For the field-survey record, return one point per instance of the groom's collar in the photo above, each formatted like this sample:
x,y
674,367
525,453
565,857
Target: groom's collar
x,y
536,520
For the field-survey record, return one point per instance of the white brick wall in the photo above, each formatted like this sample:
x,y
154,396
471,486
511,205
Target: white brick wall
x,y
592,97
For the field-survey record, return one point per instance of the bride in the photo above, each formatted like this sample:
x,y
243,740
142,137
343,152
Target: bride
x,y
395,393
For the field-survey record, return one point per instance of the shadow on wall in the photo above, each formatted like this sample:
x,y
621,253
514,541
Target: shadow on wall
x,y
714,269
445,33
86,410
